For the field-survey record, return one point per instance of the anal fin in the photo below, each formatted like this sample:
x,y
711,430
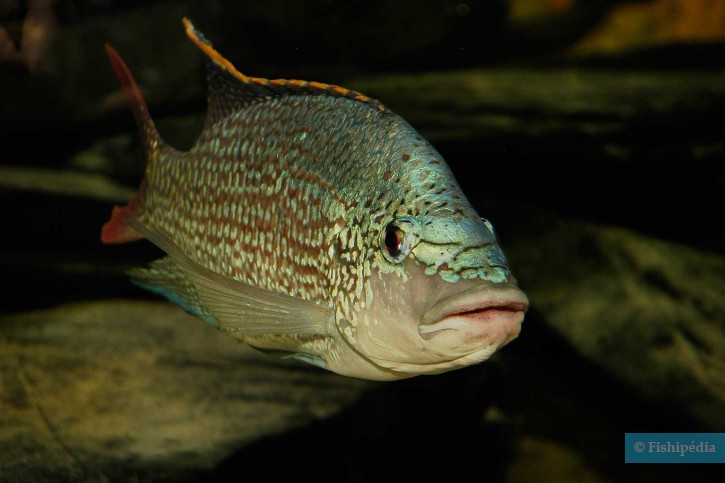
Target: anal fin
x,y
312,359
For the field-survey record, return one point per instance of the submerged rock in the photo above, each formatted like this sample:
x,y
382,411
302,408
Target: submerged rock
x,y
649,312
115,389
61,182
542,460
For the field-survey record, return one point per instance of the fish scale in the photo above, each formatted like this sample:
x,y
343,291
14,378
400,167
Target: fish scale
x,y
266,206
308,218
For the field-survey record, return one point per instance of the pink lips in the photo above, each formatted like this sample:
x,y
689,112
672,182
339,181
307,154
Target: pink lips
x,y
480,312
502,308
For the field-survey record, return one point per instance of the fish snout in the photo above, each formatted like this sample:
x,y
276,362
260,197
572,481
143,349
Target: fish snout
x,y
485,315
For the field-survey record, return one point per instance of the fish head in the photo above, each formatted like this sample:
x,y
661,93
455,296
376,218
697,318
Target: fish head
x,y
422,286
441,295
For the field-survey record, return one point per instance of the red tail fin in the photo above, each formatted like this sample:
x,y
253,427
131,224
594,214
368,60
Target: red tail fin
x,y
149,134
116,230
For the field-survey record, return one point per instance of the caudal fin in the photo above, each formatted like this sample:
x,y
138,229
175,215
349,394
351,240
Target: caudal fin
x,y
116,230
149,135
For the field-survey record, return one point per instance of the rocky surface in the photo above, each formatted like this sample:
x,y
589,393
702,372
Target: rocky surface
x,y
106,391
648,312
63,182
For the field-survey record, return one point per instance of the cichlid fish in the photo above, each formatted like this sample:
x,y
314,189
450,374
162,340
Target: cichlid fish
x,y
310,219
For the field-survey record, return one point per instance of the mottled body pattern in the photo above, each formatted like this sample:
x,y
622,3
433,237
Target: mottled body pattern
x,y
289,188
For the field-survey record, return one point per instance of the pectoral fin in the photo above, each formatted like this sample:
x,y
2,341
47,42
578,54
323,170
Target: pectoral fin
x,y
223,300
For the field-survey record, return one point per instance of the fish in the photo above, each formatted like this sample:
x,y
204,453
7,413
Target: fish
x,y
309,220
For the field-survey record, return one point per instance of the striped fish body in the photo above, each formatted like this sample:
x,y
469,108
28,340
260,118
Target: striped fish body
x,y
311,220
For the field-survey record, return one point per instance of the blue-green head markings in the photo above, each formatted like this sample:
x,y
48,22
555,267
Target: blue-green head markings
x,y
404,190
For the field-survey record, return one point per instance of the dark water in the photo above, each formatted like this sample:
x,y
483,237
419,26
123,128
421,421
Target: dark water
x,y
655,167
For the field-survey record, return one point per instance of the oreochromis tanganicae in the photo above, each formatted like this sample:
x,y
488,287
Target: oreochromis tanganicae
x,y
310,219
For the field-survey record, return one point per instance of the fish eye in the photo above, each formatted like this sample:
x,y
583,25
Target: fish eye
x,y
392,240
398,238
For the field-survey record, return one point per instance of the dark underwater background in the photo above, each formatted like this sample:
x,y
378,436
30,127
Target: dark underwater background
x,y
591,133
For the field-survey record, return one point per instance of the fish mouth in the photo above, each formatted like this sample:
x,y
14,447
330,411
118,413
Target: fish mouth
x,y
492,311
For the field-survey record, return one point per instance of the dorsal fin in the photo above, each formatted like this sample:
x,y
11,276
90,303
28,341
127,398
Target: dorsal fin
x,y
230,90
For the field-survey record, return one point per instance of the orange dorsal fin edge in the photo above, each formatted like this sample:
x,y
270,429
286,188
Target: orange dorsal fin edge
x,y
260,87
